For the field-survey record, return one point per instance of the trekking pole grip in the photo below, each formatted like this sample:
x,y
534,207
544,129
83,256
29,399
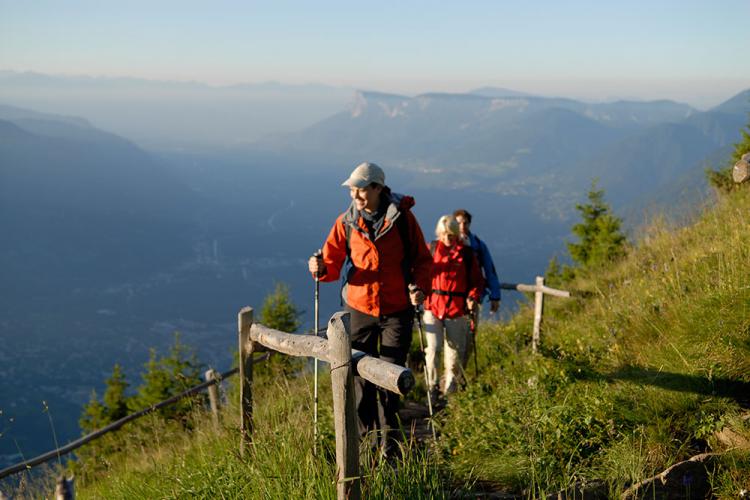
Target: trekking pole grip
x,y
318,254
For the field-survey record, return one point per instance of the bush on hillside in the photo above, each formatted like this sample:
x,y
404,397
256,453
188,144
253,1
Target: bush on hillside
x,y
278,311
601,240
115,403
166,377
163,378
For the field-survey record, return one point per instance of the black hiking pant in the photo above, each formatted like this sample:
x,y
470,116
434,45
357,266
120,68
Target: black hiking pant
x,y
387,337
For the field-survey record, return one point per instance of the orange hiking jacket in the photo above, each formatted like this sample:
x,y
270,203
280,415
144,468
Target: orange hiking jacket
x,y
376,284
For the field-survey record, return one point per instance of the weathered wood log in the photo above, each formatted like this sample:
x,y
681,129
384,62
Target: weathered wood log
x,y
533,288
741,170
289,343
344,408
538,311
246,348
213,396
392,377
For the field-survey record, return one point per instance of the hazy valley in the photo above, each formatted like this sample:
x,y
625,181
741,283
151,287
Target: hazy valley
x,y
108,248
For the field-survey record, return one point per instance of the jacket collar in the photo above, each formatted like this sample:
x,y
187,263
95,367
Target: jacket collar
x,y
397,203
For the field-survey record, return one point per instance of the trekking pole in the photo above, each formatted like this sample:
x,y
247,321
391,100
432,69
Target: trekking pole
x,y
418,316
473,327
317,255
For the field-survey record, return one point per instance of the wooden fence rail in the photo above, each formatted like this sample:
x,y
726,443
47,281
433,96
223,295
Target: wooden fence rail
x,y
73,445
336,350
345,363
539,289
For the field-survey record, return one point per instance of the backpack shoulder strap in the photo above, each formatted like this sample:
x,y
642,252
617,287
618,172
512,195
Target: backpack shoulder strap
x,y
402,223
348,232
468,254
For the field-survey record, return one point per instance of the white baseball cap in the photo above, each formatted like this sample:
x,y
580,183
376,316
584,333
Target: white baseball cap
x,y
365,174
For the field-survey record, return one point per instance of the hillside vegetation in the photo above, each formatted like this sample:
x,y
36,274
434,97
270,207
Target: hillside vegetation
x,y
647,365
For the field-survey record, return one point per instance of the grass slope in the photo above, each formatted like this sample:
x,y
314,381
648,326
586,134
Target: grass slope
x,y
637,372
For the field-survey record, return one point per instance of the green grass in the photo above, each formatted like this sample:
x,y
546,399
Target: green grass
x,y
204,463
634,374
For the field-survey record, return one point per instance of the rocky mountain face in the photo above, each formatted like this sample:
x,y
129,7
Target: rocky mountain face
x,y
526,144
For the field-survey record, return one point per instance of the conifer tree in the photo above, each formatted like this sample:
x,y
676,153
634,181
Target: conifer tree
x,y
743,146
600,238
115,399
94,415
166,377
278,311
558,274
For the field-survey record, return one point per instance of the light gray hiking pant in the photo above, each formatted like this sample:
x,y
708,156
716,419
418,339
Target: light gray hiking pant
x,y
450,336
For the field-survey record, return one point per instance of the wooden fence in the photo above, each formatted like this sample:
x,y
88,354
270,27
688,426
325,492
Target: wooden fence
x,y
64,488
336,349
345,362
539,289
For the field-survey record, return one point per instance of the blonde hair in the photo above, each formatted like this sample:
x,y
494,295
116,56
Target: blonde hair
x,y
447,224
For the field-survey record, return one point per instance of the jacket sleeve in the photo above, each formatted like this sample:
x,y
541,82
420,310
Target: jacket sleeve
x,y
476,280
421,258
490,274
334,251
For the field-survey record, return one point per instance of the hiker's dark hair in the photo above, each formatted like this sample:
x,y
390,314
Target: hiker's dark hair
x,y
463,213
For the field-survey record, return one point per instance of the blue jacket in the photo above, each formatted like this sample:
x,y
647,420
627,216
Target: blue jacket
x,y
492,283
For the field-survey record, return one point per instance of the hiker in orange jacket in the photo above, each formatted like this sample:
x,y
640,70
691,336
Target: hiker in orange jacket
x,y
456,289
381,240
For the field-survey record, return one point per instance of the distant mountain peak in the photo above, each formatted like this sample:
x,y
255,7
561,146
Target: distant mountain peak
x,y
739,104
392,105
499,92
12,113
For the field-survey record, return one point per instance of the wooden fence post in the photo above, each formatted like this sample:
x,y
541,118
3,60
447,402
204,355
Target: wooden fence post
x,y
344,409
538,310
244,322
64,488
213,396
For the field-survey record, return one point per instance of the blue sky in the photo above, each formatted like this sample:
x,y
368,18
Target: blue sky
x,y
695,51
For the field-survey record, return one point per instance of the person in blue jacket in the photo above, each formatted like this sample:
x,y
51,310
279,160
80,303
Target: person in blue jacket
x,y
492,283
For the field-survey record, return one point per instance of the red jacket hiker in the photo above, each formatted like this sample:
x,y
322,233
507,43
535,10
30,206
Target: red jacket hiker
x,y
453,281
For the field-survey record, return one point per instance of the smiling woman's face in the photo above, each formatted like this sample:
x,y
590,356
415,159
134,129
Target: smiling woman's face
x,y
447,238
366,198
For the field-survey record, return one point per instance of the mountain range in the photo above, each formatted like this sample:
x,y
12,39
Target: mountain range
x,y
175,115
499,141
